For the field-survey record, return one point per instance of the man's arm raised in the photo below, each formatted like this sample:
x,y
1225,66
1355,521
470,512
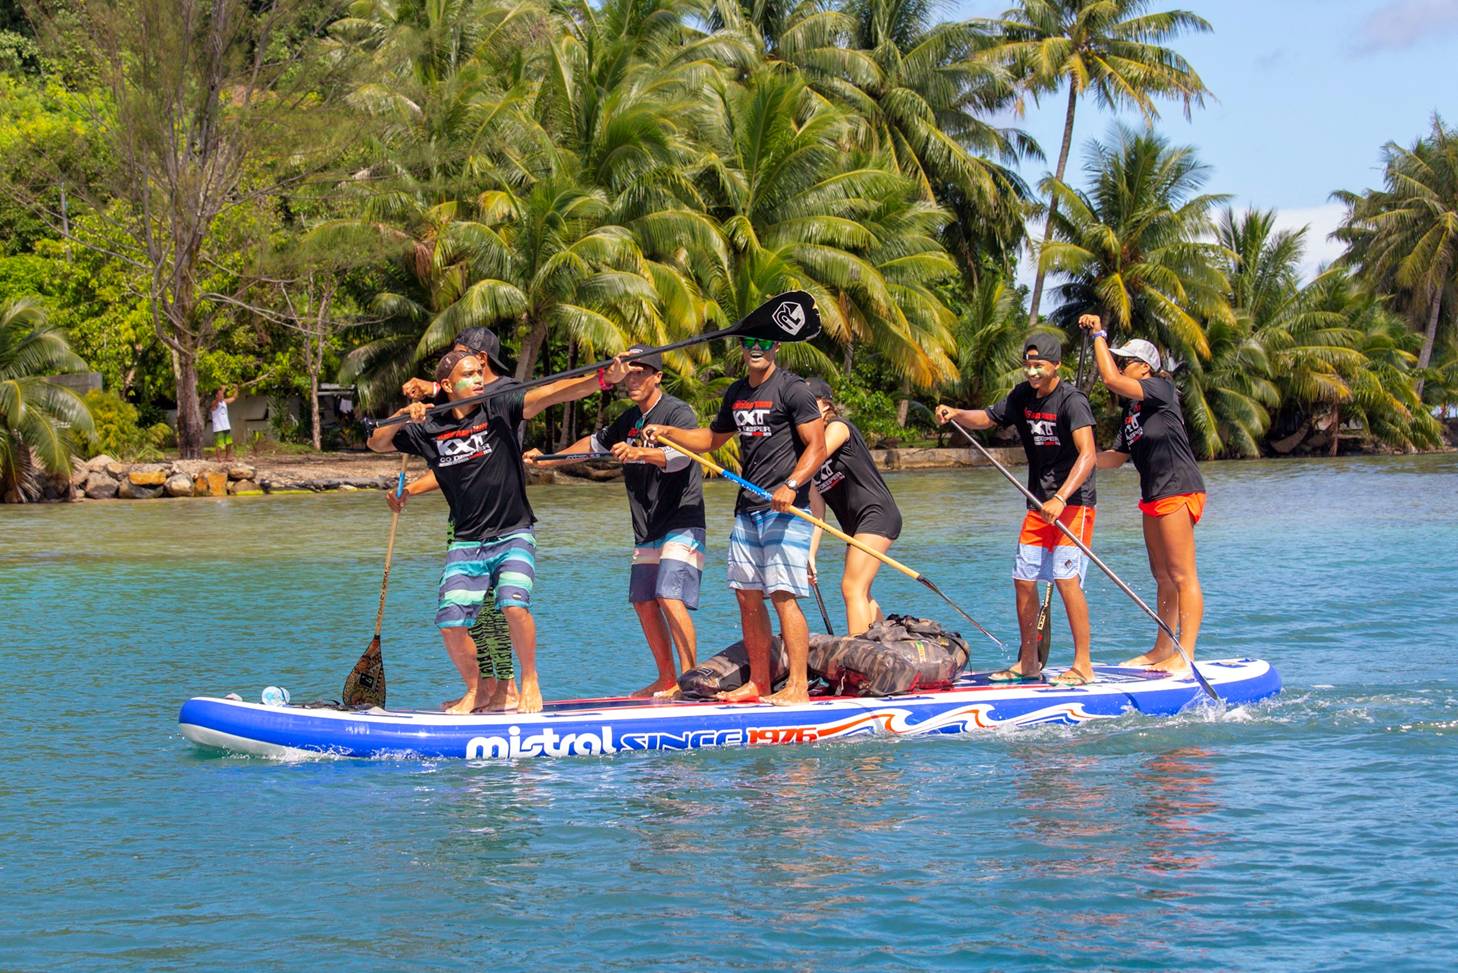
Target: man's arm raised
x,y
382,440
571,389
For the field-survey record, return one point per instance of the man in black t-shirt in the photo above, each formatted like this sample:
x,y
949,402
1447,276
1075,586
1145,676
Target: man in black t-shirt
x,y
1055,422
666,501
781,445
476,458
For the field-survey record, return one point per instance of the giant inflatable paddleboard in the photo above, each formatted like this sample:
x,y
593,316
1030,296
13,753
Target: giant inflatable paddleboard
x,y
600,726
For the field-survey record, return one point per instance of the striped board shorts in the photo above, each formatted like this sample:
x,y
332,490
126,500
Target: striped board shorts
x,y
670,567
1046,554
506,563
770,552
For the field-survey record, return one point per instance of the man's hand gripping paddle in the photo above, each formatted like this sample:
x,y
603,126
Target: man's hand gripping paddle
x,y
713,467
1097,561
791,316
365,685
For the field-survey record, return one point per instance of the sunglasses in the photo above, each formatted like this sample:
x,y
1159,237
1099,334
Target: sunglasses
x,y
763,344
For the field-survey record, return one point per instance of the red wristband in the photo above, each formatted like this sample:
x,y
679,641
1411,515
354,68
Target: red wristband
x,y
602,382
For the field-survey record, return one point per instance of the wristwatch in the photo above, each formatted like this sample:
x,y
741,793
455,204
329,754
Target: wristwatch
x,y
792,483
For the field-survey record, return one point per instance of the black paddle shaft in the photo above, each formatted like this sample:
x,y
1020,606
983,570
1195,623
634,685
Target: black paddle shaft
x,y
791,316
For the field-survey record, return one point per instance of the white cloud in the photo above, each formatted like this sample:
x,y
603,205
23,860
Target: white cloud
x,y
1320,222
1399,24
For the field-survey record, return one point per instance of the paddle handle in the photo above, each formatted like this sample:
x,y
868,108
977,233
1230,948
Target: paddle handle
x,y
1098,562
390,548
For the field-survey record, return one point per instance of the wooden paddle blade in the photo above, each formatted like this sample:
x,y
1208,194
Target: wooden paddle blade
x,y
365,685
1045,627
791,316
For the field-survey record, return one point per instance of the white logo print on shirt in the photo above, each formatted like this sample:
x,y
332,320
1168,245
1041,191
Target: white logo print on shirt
x,y
458,449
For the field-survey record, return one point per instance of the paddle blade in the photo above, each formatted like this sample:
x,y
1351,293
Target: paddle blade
x,y
791,316
1045,627
365,685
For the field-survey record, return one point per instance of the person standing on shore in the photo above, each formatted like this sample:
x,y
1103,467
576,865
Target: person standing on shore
x,y
781,445
222,425
849,484
666,503
1055,422
476,457
1171,489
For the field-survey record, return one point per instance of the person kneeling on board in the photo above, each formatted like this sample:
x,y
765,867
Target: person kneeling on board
x,y
781,445
666,502
1055,422
476,457
849,484
490,631
1171,490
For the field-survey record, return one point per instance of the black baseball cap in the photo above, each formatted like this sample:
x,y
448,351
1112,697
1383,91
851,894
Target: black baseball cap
x,y
820,388
483,341
1048,347
639,355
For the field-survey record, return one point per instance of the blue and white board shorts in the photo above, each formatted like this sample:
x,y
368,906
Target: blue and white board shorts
x,y
472,568
670,567
769,552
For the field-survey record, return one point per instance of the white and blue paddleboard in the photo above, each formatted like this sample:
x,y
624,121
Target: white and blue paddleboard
x,y
600,726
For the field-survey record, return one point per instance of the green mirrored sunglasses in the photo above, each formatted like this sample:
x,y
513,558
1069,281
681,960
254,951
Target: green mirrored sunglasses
x,y
764,344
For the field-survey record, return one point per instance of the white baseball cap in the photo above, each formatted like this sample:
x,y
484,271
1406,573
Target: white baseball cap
x,y
1140,350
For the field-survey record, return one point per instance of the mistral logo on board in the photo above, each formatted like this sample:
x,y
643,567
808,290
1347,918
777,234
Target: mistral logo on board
x,y
790,316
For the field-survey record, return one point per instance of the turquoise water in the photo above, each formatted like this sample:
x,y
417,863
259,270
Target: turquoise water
x,y
1313,832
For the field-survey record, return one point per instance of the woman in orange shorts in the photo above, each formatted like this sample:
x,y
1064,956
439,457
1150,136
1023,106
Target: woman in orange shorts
x,y
1171,490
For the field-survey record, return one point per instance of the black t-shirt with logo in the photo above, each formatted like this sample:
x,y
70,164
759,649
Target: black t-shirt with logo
x,y
765,416
1153,434
659,501
854,489
1046,428
477,462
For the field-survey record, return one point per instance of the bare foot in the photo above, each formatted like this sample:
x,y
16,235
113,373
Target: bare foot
x,y
1174,664
465,704
789,696
498,702
1146,661
671,693
747,693
658,688
530,700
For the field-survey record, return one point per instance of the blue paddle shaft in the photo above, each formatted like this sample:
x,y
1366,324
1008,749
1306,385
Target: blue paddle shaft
x,y
400,486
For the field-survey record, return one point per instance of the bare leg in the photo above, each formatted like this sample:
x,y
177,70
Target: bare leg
x,y
1076,606
754,622
1177,534
1026,593
1167,597
796,635
855,583
681,625
462,652
524,640
655,630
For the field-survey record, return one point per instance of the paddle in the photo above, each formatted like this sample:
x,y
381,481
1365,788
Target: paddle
x,y
1098,562
569,457
365,685
791,316
713,467
824,615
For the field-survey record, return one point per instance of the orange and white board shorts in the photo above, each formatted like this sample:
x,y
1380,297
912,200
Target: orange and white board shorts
x,y
1046,554
1164,506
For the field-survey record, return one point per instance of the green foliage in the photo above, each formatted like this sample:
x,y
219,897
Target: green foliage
x,y
117,431
42,424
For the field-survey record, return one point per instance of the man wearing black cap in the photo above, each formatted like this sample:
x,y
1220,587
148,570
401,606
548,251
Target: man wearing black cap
x,y
1055,422
666,501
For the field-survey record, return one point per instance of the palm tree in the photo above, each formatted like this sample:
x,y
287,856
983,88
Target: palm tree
x,y
1405,236
1112,49
40,422
1133,246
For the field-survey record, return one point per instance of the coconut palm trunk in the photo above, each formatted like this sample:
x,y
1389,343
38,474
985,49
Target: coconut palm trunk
x,y
1430,335
1053,200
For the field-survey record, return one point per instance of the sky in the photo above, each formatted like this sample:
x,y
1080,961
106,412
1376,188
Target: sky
x,y
1306,94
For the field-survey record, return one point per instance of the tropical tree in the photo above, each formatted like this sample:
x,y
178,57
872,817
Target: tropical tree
x,y
1134,248
42,424
1110,49
1405,235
